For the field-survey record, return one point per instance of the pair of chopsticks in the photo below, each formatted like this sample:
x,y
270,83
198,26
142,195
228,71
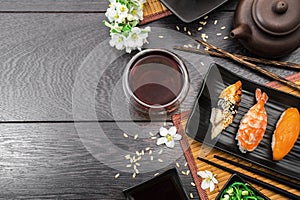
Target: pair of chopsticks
x,y
246,61
254,180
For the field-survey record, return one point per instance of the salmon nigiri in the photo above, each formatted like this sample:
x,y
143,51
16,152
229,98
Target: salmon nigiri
x,y
286,133
253,125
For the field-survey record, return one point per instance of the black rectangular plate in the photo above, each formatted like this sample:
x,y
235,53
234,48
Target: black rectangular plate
x,y
235,178
199,127
190,10
162,187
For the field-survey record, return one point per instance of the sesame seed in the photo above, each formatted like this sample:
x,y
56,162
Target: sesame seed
x,y
125,135
225,38
191,195
117,175
177,164
193,184
160,36
136,136
223,27
177,27
160,160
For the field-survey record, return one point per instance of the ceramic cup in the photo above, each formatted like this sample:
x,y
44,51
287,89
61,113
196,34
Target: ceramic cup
x,y
156,81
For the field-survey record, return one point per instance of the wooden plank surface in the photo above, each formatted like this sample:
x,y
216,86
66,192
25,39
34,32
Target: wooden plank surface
x,y
41,53
50,161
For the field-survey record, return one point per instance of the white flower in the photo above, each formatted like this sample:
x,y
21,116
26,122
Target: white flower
x,y
117,40
136,38
168,136
208,181
111,14
122,11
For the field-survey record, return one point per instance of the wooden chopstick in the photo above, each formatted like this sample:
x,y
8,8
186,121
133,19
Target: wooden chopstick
x,y
253,180
251,65
261,173
247,58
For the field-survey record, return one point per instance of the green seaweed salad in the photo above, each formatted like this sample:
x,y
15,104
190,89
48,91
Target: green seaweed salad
x,y
239,191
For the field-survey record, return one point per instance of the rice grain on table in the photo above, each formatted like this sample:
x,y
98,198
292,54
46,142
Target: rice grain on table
x,y
215,22
191,195
160,160
150,152
226,37
177,27
151,158
223,27
156,174
183,172
129,165
177,164
134,175
127,157
184,29
187,172
200,28
189,33
117,175
206,17
147,148
125,135
193,184
151,134
161,36
185,164
219,34
136,136
154,138
160,151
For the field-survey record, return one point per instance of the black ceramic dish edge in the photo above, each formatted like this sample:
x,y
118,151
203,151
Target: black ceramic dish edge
x,y
170,172
219,148
237,178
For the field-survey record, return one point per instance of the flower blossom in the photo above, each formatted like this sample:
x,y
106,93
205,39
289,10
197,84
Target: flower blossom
x,y
168,136
208,181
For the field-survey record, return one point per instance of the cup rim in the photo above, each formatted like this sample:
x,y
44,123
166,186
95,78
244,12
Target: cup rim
x,y
129,93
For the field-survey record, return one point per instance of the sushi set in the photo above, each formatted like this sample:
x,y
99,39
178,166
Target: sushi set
x,y
248,120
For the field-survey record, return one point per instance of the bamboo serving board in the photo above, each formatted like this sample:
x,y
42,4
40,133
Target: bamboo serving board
x,y
153,10
193,148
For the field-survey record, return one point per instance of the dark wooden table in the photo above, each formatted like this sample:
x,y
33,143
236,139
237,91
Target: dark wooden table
x,y
58,143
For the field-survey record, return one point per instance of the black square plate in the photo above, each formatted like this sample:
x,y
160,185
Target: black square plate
x,y
235,178
199,127
190,10
162,187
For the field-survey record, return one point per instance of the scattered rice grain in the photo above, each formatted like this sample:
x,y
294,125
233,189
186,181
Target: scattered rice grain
x,y
154,138
183,172
160,36
147,148
134,175
165,123
215,22
187,172
151,134
219,34
117,175
127,157
156,174
189,33
143,152
160,151
136,136
191,195
202,63
129,165
184,29
200,28
177,27
223,27
177,164
193,184
137,164
185,164
137,153
206,17
150,152
198,46
225,38
151,157
160,160
125,135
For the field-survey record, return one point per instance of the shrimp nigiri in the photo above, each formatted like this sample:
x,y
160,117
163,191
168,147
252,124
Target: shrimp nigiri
x,y
253,125
286,133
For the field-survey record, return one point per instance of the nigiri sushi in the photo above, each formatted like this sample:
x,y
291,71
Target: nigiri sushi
x,y
286,133
253,125
228,103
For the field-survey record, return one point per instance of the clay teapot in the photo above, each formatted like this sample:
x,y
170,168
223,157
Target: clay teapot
x,y
268,28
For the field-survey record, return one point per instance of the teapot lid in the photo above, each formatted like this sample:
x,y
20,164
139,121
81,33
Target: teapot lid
x,y
277,17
